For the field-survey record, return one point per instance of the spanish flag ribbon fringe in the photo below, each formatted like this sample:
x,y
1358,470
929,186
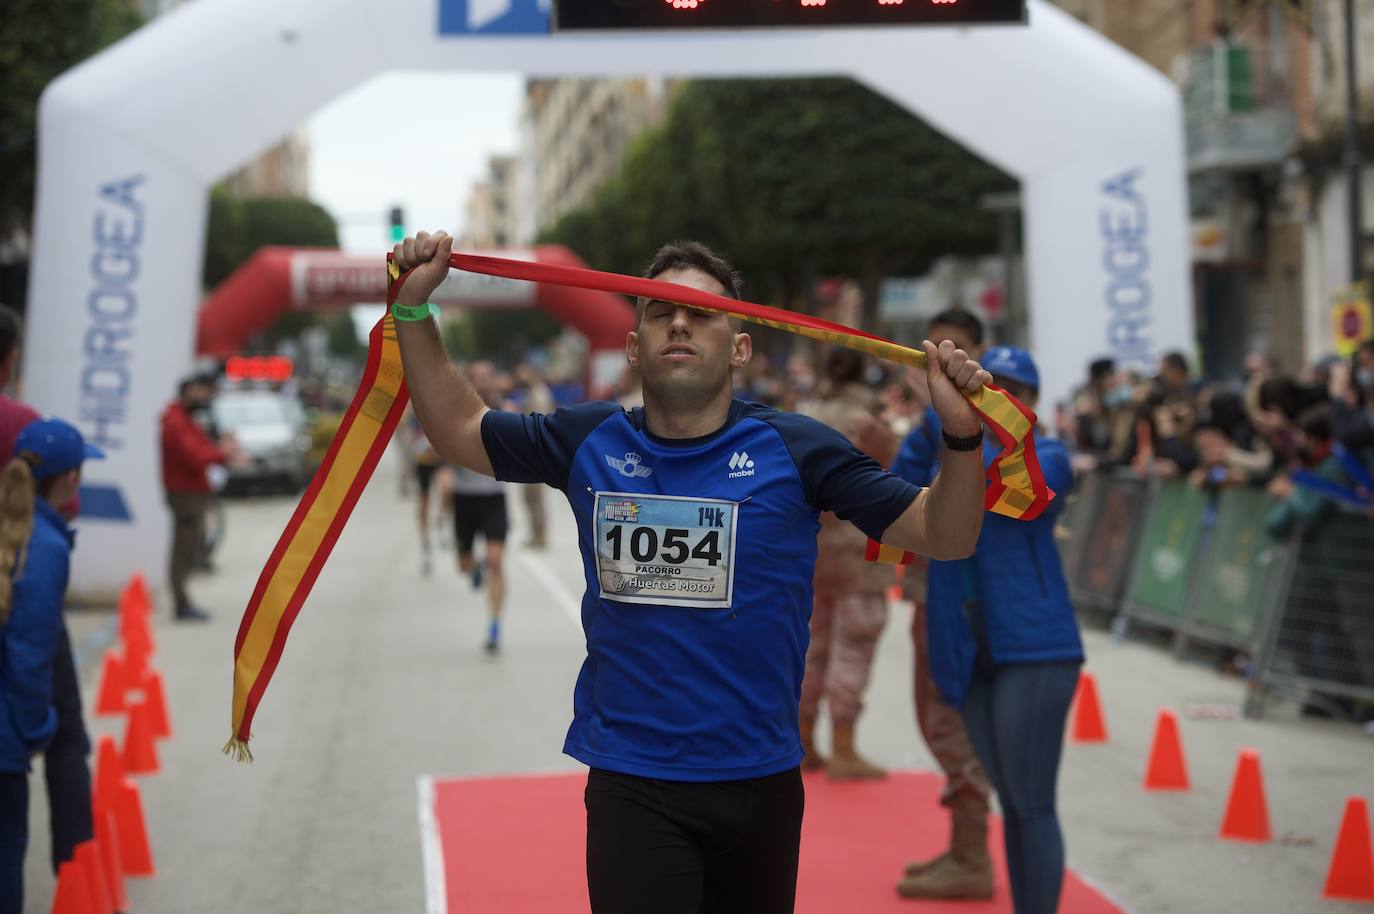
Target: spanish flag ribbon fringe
x,y
1016,487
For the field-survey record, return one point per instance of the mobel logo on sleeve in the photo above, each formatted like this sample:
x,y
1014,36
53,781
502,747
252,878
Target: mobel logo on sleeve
x,y
630,466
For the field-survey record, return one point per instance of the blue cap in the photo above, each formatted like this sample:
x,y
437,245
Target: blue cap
x,y
58,446
1010,363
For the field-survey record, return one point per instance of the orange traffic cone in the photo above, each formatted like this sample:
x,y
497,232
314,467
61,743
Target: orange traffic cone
x,y
107,836
138,593
1167,769
109,770
137,636
113,685
894,590
1088,724
140,754
134,599
73,895
1351,877
128,610
156,700
134,851
138,640
1247,813
135,609
136,666
88,855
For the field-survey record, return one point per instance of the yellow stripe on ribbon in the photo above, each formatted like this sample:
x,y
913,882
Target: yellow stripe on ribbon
x,y
877,552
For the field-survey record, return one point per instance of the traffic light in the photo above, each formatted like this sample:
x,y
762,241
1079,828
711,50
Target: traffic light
x,y
398,225
601,15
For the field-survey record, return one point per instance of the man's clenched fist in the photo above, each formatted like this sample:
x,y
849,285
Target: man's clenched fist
x,y
952,374
428,254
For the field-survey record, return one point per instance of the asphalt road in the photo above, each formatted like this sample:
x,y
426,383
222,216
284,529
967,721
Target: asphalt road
x,y
384,680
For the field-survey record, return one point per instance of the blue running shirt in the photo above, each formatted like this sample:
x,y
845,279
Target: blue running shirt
x,y
698,556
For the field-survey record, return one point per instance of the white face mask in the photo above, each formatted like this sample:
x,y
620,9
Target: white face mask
x,y
1365,377
1119,395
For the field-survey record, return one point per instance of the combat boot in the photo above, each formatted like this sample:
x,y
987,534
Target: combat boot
x,y
964,872
845,763
917,867
811,759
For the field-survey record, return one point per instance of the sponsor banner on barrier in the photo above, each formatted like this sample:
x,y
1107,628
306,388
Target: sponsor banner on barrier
x,y
1110,544
1168,550
1236,579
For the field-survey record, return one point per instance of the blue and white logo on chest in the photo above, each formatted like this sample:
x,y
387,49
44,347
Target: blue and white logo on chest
x,y
630,466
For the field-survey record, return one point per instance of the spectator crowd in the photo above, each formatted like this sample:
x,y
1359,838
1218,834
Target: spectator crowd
x,y
1259,431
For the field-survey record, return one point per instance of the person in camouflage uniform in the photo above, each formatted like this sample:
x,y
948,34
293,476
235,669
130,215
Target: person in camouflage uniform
x,y
964,870
849,610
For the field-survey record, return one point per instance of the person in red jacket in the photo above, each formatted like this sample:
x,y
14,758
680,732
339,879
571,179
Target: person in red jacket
x,y
14,415
187,455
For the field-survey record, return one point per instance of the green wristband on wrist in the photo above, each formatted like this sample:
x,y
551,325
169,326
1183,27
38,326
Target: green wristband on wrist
x,y
418,313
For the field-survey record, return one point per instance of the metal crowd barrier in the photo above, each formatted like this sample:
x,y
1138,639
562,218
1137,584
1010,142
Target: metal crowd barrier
x,y
1168,555
1204,567
1100,528
1319,649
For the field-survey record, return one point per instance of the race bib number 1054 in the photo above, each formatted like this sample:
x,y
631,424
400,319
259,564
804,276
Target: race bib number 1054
x,y
666,549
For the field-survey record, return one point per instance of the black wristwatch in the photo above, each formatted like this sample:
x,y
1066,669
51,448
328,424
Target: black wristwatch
x,y
971,443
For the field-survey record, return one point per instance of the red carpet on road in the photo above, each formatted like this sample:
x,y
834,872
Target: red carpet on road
x,y
514,845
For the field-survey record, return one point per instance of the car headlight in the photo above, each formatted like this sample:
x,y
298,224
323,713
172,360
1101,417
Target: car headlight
x,y
304,443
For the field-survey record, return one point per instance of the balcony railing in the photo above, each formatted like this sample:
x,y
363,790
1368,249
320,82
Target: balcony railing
x,y
1236,108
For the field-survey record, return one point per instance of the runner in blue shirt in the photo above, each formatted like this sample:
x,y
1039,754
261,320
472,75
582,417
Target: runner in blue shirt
x,y
697,517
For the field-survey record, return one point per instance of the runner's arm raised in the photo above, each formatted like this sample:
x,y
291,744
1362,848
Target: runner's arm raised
x,y
449,410
944,521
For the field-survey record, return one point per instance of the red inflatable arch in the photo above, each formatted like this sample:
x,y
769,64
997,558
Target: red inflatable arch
x,y
280,279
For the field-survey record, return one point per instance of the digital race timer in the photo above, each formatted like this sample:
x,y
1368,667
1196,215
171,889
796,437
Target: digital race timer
x,y
573,15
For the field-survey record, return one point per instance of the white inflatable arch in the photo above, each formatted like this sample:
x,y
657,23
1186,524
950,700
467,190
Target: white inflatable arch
x,y
131,140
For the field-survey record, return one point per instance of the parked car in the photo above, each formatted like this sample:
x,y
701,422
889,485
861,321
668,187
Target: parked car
x,y
272,430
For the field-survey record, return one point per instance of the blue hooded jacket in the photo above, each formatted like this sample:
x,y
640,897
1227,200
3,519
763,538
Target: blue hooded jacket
x,y
1015,570
919,454
29,640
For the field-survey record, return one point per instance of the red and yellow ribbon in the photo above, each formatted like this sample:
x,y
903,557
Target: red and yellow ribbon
x,y
315,526
1016,487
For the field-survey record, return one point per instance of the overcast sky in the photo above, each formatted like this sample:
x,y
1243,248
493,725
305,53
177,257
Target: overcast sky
x,y
359,168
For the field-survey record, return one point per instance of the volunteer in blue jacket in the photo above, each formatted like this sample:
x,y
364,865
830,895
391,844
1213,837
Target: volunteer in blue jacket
x,y
697,517
1005,649
35,553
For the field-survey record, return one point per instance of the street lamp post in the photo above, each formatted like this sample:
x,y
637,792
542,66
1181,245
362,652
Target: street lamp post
x,y
1352,148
